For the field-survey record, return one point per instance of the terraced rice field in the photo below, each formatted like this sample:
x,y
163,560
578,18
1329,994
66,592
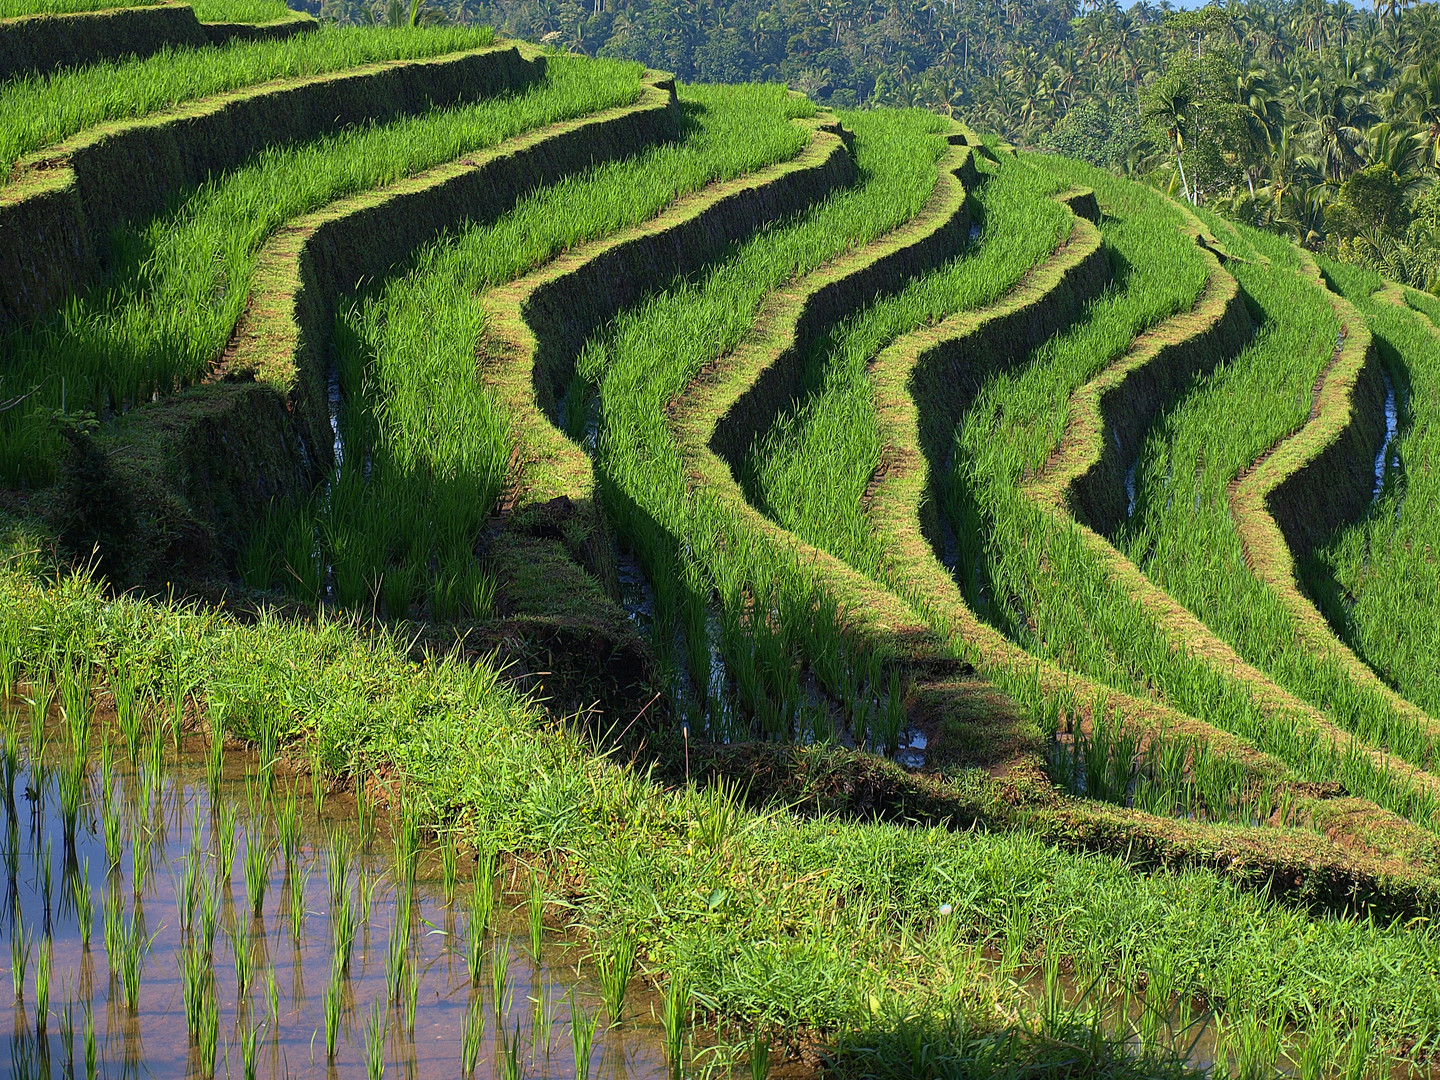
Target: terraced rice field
x,y
872,601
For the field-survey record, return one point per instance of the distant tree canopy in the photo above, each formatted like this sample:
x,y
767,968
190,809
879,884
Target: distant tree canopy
x,y
1263,110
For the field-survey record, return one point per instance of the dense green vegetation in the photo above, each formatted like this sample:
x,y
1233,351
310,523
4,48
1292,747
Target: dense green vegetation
x,y
647,356
1286,101
42,110
935,923
181,281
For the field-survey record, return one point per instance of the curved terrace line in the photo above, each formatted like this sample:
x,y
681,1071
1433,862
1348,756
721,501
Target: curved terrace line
x,y
539,322
1293,862
929,365
1306,484
56,214
35,44
1083,483
267,402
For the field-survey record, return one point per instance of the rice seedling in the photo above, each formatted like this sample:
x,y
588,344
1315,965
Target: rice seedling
x,y
77,705
272,995
542,1023
73,783
287,824
411,997
535,914
215,758
40,699
299,885
223,836
616,966
110,818
475,938
249,1046
67,1032
472,1035
20,942
375,1043
10,654
42,985
342,931
332,1014
114,928
449,865
759,1057
197,983
258,854
80,895
397,956
129,716
509,1052
582,1037
242,952
91,1049
406,840
9,757
133,947
500,982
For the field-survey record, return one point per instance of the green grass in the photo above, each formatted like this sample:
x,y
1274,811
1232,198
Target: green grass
x,y
811,470
1182,534
182,281
39,111
854,929
1379,580
436,441
239,11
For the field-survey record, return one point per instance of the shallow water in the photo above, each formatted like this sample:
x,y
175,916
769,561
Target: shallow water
x,y
283,1011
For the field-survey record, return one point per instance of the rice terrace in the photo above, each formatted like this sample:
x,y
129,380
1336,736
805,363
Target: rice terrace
x,y
515,562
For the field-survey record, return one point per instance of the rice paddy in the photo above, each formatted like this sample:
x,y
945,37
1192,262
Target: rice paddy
x,y
181,282
769,790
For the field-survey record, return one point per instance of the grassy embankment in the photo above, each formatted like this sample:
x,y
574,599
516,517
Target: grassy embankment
x,y
181,281
1378,580
427,445
811,470
1041,581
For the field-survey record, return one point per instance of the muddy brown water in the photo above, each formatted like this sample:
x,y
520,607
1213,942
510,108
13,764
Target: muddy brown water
x,y
283,1013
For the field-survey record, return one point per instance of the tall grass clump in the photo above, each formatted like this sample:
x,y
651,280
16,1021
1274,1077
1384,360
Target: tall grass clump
x,y
180,282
